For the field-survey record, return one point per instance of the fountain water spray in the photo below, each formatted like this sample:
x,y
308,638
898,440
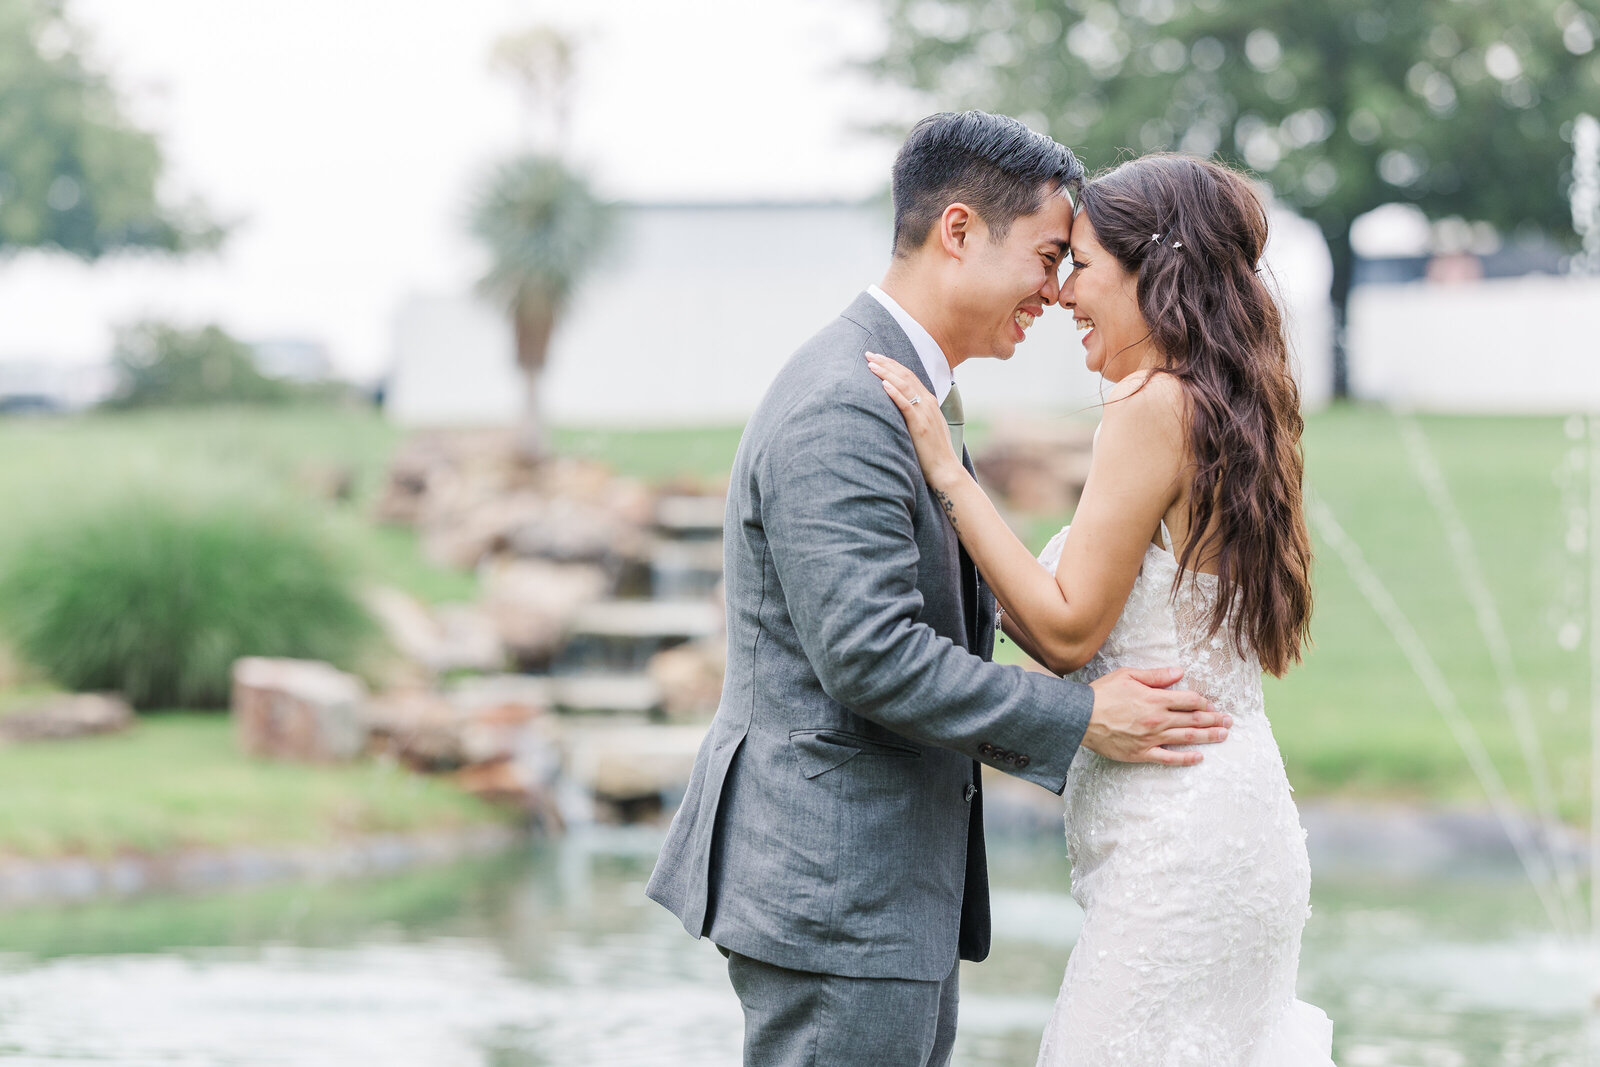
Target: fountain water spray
x,y
1585,194
1534,859
1584,197
1469,573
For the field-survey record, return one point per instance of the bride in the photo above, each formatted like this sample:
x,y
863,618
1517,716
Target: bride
x,y
1189,546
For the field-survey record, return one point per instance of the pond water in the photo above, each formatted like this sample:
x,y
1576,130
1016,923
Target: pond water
x,y
551,956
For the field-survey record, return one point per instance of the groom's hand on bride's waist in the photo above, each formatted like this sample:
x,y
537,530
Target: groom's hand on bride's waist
x,y
1136,715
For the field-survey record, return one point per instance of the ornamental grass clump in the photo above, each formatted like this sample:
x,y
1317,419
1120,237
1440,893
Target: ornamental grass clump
x,y
157,600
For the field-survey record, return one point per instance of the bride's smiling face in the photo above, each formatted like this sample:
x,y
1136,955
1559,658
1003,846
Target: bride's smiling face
x,y
1104,301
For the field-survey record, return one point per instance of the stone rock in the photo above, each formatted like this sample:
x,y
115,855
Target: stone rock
x,y
444,731
465,535
690,678
501,780
435,472
1037,467
628,762
511,783
533,604
472,497
484,690
298,709
569,530
73,715
449,637
416,727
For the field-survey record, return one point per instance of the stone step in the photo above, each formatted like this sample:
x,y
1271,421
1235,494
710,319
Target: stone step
x,y
691,518
683,569
629,695
647,620
623,761
589,693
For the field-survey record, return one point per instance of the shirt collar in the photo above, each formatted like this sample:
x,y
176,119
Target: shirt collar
x,y
928,350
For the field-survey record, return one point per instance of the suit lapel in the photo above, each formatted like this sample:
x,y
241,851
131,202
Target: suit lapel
x,y
977,604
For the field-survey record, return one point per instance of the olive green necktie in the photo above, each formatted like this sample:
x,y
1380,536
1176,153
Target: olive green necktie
x,y
955,417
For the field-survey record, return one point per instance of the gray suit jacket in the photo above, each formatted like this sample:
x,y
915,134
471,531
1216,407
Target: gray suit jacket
x,y
833,821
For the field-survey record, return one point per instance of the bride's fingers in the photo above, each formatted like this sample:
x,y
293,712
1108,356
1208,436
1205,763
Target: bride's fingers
x,y
901,401
889,370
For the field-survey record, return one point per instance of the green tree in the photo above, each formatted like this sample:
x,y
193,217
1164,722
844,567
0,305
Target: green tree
x,y
1462,107
544,229
542,224
76,174
158,364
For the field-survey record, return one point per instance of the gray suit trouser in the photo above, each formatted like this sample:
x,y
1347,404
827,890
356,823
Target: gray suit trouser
x,y
801,1019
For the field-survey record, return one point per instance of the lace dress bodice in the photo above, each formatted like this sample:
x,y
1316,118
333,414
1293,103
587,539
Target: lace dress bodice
x,y
1194,880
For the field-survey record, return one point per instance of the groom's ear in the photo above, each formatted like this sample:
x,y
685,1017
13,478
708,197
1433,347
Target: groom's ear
x,y
956,226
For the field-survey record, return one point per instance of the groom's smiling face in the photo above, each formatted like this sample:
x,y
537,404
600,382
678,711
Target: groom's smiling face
x,y
1006,282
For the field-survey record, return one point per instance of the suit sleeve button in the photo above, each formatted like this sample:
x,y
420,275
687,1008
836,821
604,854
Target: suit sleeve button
x,y
986,750
1022,762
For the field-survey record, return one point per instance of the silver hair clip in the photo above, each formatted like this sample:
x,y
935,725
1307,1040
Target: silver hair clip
x,y
1158,238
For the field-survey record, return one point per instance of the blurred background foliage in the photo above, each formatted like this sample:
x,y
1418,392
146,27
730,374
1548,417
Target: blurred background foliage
x,y
1462,108
77,174
156,600
159,364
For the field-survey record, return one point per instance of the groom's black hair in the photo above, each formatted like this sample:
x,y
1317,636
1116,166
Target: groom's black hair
x,y
993,164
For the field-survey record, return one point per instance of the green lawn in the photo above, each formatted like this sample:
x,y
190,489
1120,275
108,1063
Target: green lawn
x,y
1356,717
178,780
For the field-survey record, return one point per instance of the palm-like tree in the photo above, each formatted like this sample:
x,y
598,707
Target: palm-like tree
x,y
544,228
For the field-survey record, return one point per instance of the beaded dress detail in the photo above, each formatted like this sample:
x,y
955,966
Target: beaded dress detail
x,y
1193,880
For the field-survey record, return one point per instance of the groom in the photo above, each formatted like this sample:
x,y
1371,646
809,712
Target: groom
x,y
831,839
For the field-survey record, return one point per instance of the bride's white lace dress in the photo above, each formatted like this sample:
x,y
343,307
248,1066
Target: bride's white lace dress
x,y
1194,880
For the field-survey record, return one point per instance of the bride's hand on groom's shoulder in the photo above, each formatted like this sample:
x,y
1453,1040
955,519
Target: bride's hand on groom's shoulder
x,y
1136,715
929,432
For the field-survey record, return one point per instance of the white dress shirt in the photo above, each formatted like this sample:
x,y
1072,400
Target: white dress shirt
x,y
928,349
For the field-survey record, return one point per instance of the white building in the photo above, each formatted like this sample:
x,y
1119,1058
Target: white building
x,y
697,306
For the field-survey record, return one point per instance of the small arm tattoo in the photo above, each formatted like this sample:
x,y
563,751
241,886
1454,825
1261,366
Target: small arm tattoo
x,y
949,506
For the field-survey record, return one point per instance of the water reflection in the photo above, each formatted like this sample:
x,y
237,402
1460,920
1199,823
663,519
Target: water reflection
x,y
552,956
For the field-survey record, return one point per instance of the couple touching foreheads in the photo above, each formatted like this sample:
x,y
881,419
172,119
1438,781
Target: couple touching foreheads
x,y
831,839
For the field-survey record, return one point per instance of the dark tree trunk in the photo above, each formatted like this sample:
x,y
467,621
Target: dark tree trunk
x,y
533,323
1338,238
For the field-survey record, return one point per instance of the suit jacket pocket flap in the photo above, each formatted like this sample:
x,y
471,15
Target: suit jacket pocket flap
x,y
818,755
822,750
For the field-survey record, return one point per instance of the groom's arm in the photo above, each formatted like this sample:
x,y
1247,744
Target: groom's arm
x,y
838,485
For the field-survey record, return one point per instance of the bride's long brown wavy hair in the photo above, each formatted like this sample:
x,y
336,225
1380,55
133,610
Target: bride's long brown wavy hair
x,y
1193,232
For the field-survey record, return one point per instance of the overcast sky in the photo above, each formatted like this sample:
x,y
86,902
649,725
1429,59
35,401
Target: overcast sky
x,y
343,137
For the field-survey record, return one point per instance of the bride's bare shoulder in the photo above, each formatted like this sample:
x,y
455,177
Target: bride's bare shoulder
x,y
1150,400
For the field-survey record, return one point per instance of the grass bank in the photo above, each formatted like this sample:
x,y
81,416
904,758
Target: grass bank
x,y
177,780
